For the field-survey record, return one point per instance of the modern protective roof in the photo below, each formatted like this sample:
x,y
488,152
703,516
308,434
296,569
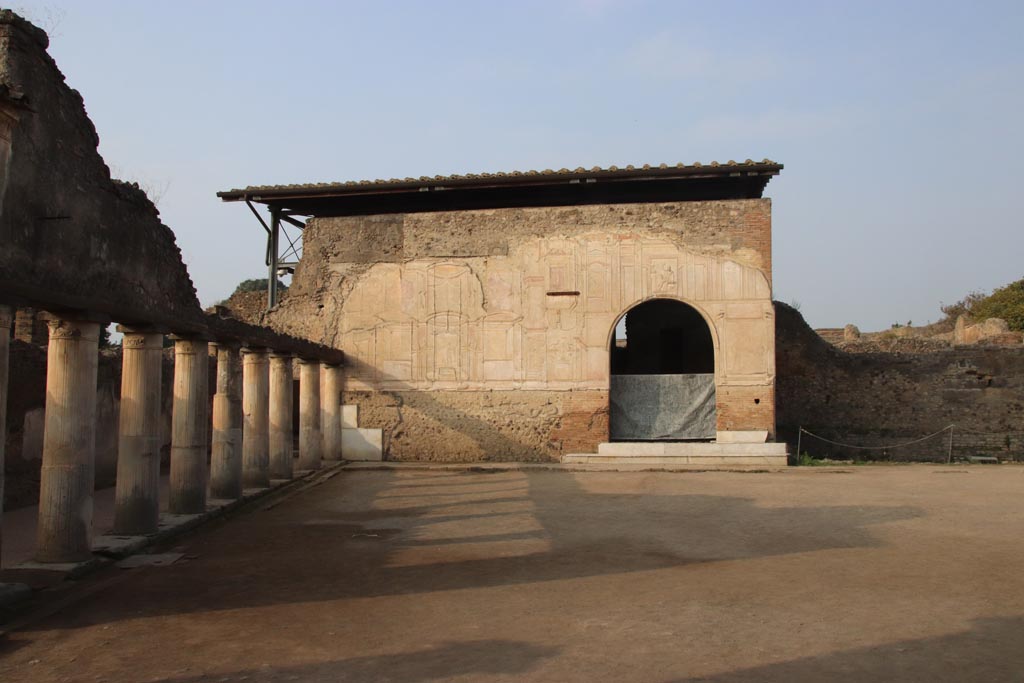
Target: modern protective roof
x,y
565,187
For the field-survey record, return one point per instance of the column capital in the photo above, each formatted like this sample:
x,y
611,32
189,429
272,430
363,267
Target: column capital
x,y
62,328
274,353
253,350
146,340
189,337
229,344
190,346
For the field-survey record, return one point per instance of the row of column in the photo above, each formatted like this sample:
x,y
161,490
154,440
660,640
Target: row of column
x,y
251,428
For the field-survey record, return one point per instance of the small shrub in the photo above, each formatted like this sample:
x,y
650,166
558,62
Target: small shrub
x,y
257,285
805,460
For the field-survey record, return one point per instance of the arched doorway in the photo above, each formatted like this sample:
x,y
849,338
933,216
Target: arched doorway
x,y
662,374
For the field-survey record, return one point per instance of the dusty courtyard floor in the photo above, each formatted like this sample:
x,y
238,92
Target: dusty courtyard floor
x,y
866,574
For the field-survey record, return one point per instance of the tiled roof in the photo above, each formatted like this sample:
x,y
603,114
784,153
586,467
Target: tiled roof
x,y
696,169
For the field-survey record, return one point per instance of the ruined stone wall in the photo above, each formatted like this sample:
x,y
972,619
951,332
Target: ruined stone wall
x,y
73,237
877,398
489,330
249,307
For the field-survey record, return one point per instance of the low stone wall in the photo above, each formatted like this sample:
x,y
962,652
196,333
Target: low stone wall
x,y
878,398
468,426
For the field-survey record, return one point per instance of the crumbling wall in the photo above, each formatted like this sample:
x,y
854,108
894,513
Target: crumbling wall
x,y
443,314
878,398
249,307
71,235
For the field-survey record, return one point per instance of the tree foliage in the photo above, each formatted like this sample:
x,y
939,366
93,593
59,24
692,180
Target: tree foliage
x,y
1005,302
257,285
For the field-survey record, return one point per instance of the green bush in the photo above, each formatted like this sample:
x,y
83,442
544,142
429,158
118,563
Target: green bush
x,y
1005,302
257,285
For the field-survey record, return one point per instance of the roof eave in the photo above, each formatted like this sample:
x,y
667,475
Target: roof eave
x,y
267,194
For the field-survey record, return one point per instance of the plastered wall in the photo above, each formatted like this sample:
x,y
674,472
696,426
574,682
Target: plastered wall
x,y
524,301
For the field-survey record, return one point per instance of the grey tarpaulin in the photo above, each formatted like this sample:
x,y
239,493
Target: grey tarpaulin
x,y
653,407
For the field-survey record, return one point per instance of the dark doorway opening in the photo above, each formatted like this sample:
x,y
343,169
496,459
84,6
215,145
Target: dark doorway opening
x,y
662,374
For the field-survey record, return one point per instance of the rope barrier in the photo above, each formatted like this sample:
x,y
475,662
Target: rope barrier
x,y
949,454
877,448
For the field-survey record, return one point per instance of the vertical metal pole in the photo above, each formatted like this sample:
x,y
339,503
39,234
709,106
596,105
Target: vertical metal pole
x,y
799,437
949,457
275,233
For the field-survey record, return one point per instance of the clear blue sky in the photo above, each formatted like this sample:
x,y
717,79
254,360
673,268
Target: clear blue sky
x,y
899,123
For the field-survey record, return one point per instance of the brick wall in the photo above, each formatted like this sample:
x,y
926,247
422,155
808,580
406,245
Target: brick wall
x,y
741,408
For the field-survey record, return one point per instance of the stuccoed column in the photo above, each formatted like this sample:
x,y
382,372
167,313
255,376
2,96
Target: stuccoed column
x,y
281,405
6,319
310,447
137,496
189,426
331,414
255,419
226,458
64,533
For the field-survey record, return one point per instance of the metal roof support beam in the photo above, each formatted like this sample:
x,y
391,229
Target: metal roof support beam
x,y
272,243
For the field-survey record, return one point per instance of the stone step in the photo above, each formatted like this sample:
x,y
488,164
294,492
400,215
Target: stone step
x,y
684,454
694,449
679,461
362,444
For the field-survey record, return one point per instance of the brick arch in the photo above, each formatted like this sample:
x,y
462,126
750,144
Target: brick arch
x,y
708,320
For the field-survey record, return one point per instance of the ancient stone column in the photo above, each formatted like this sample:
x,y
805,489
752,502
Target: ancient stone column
x,y
6,318
255,419
189,422
137,496
310,447
281,406
226,459
331,415
64,533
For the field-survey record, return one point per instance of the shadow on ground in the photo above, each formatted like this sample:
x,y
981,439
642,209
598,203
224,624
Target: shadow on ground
x,y
991,651
445,661
385,533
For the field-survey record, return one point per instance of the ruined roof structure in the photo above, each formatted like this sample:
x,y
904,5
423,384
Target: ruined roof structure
x,y
478,312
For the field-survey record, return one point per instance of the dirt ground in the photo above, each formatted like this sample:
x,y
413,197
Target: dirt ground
x,y
813,574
